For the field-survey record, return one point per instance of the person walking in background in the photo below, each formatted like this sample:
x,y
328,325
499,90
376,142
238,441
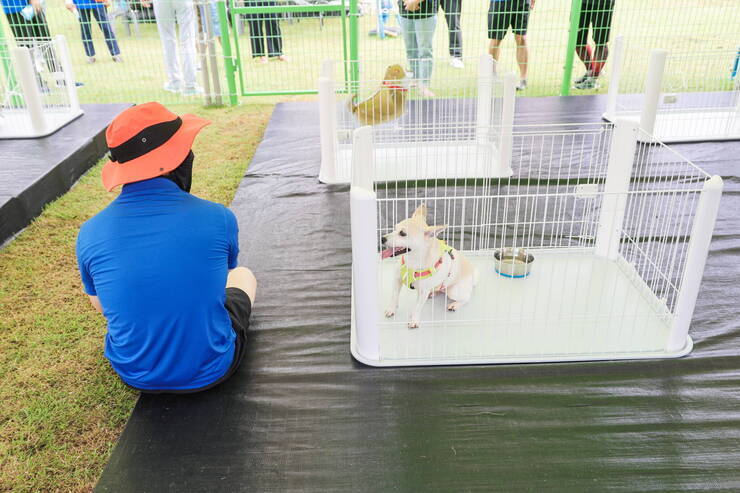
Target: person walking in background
x,y
452,10
598,15
171,15
514,13
263,26
27,22
418,21
85,10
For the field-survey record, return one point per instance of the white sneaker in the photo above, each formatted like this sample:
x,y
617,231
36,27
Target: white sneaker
x,y
457,63
193,90
172,87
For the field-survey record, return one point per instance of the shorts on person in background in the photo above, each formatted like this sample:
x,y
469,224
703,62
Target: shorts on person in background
x,y
598,15
505,13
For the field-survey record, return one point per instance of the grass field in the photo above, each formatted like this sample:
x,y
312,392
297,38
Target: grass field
x,y
62,406
677,25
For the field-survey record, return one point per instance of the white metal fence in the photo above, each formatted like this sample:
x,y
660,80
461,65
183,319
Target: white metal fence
x,y
37,89
619,232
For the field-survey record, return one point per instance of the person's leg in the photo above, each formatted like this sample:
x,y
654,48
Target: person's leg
x,y
105,27
254,21
520,23
425,43
583,50
498,25
409,42
274,36
86,32
164,12
602,23
244,279
522,54
185,13
452,10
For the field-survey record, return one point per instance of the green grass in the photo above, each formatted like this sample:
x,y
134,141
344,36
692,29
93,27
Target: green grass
x,y
62,406
677,25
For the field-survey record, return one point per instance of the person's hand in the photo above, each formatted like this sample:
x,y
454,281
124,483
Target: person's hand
x,y
531,4
36,4
411,5
146,3
71,7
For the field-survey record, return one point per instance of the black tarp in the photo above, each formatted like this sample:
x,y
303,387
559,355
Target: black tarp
x,y
301,415
33,172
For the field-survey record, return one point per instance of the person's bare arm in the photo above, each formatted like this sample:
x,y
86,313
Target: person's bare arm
x,y
531,4
412,5
96,303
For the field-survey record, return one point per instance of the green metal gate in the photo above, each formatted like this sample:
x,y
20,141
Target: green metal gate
x,y
260,60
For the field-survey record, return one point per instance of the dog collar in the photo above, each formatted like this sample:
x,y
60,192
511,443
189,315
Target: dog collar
x,y
408,276
391,86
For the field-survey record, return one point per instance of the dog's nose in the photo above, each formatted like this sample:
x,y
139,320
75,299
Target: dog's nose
x,y
383,240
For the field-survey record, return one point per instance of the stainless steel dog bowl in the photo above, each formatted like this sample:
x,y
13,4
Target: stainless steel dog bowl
x,y
513,262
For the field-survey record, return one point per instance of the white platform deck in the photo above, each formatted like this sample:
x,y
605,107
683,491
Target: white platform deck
x,y
411,161
691,125
572,307
16,124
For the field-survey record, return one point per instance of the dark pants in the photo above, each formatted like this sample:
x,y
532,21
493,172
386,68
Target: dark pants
x,y
264,25
102,17
452,9
30,33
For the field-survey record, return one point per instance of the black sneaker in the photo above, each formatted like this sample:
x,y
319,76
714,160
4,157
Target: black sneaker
x,y
582,78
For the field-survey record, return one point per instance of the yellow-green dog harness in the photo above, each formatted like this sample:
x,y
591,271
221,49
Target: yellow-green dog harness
x,y
408,276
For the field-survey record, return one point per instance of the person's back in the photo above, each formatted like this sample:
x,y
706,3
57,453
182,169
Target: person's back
x,y
160,257
161,264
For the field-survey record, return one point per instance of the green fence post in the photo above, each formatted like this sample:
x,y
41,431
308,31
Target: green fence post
x,y
7,63
354,44
229,65
575,14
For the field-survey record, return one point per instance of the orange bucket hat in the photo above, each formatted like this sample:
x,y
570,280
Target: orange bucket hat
x,y
147,141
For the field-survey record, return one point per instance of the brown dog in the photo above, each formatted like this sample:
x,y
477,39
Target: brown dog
x,y
387,103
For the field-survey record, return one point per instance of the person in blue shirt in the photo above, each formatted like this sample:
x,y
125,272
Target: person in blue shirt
x,y
86,9
161,264
27,21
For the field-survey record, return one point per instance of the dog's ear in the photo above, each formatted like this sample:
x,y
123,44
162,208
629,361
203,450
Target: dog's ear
x,y
433,231
421,212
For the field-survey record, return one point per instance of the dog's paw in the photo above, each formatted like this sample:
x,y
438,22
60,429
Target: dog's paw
x,y
389,313
452,307
413,324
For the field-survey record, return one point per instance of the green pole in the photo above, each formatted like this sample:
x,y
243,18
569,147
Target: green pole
x,y
229,65
354,44
575,14
8,69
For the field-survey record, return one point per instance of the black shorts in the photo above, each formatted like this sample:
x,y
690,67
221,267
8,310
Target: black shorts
x,y
501,15
598,15
239,307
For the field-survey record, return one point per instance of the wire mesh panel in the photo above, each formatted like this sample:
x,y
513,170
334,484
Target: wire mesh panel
x,y
461,121
37,89
583,253
699,102
133,50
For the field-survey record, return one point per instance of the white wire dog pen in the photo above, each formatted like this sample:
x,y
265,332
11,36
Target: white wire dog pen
x,y
619,232
688,97
37,88
466,124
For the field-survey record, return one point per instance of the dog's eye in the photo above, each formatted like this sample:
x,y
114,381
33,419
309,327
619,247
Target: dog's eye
x,y
402,233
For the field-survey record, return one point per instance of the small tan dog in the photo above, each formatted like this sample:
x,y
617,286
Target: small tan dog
x,y
427,265
387,103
